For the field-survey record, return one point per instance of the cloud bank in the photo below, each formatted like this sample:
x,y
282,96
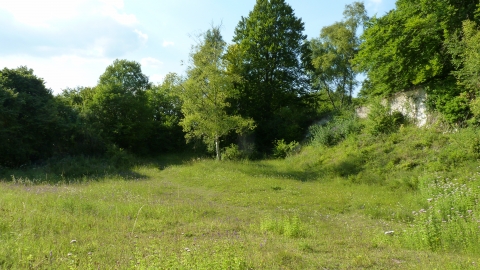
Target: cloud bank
x,y
83,28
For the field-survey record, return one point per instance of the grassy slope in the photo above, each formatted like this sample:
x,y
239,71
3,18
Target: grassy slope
x,y
323,208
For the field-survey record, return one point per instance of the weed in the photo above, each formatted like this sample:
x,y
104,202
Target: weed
x,y
450,220
283,149
287,226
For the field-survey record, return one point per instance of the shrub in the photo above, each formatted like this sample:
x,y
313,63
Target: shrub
x,y
475,147
382,121
449,98
282,149
475,110
232,152
336,130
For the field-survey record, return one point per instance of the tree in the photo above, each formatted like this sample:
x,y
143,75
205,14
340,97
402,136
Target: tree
x,y
405,48
29,122
270,54
119,107
332,55
126,73
166,133
206,91
465,48
81,134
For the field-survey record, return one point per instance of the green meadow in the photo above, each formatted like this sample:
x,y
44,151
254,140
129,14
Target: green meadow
x,y
405,200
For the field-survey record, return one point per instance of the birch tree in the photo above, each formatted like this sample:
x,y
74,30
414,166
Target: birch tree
x,y
206,93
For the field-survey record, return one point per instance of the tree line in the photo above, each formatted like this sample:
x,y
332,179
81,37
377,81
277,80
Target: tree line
x,y
268,86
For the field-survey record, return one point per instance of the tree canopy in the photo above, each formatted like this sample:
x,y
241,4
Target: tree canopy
x,y
206,92
406,48
120,105
29,120
332,55
270,77
270,53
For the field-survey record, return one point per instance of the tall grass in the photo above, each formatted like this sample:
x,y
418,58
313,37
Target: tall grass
x,y
324,207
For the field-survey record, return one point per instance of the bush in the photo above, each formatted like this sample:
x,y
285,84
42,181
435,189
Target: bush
x,y
232,152
336,130
282,149
475,110
382,121
475,147
449,98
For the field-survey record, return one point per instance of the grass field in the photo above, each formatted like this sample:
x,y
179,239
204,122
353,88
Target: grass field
x,y
325,208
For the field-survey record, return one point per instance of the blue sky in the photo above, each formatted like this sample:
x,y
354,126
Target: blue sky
x,y
70,43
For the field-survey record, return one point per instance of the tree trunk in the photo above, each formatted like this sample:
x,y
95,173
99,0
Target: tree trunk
x,y
217,148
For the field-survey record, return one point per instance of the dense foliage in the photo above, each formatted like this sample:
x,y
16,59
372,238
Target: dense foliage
x,y
270,54
270,77
416,189
419,44
405,47
120,108
332,55
206,92
29,120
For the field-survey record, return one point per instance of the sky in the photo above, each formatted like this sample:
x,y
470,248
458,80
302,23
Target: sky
x,y
70,43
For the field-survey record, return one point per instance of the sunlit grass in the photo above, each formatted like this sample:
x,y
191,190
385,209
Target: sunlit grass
x,y
323,208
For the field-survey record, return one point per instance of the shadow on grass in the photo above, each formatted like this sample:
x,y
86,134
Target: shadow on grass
x,y
263,170
75,169
348,167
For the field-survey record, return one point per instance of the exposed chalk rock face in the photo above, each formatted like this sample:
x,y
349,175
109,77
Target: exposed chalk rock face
x,y
362,112
412,104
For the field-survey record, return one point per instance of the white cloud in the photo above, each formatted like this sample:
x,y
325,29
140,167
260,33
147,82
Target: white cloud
x,y
143,37
41,13
114,10
151,62
51,28
122,18
114,3
46,14
62,71
375,4
157,78
168,43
